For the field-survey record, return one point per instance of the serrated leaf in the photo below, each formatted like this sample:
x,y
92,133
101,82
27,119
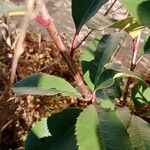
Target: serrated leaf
x,y
7,7
145,48
61,132
40,129
140,10
103,128
83,11
87,122
97,54
139,131
140,94
43,84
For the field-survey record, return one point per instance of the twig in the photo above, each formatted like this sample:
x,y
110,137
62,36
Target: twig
x,y
132,67
139,59
19,47
74,46
108,10
47,21
73,49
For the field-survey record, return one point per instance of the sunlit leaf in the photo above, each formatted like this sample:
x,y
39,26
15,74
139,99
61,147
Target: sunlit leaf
x,y
43,84
140,10
141,94
104,130
55,132
130,25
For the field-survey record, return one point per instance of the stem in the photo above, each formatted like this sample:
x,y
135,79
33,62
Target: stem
x,y
77,46
86,93
69,61
74,43
132,67
139,59
107,12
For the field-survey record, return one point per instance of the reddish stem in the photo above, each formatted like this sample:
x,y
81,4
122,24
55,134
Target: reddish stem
x,y
74,44
132,67
66,56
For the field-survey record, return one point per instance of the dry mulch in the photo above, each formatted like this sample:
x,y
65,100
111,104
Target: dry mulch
x,y
19,113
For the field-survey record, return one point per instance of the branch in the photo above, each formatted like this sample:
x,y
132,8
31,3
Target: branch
x,y
74,43
107,12
132,67
47,22
19,46
77,46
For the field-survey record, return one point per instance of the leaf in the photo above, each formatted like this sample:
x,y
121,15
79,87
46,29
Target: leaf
x,y
107,104
99,22
7,7
97,54
58,134
103,128
88,122
123,71
43,84
83,11
140,10
125,115
140,94
113,90
139,131
130,25
145,48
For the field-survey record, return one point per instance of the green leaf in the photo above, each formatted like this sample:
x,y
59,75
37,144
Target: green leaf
x,y
43,84
83,11
122,71
145,48
104,130
130,25
88,130
140,94
125,115
140,10
54,133
107,104
113,90
97,54
139,132
99,22
7,7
